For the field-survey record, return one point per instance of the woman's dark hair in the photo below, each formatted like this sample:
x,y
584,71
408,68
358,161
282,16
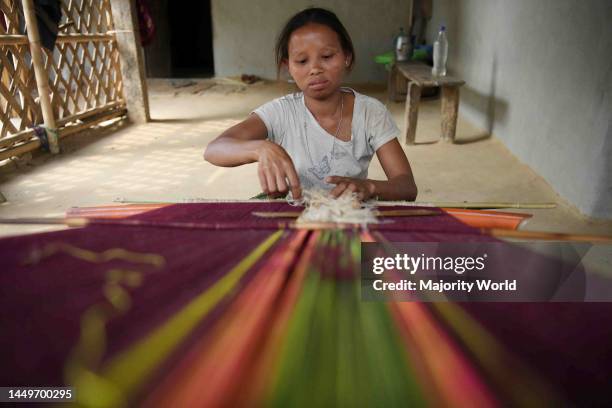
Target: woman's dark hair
x,y
312,15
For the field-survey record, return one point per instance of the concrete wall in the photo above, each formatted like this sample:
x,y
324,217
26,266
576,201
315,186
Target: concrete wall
x,y
539,76
244,33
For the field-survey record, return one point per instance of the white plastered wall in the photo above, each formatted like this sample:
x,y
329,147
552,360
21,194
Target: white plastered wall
x,y
539,76
244,33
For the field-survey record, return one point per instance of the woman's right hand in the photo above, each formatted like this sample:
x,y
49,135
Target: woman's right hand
x,y
276,170
246,142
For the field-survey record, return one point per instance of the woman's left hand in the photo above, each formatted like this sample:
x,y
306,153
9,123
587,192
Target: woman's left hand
x,y
363,188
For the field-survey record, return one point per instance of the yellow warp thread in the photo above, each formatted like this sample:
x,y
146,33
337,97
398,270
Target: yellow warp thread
x,y
84,359
131,369
155,260
86,356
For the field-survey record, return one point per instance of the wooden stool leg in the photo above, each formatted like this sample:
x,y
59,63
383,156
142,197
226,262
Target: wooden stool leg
x,y
450,107
392,84
402,84
413,98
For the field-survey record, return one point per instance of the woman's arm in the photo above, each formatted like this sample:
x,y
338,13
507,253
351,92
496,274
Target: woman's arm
x,y
237,145
246,143
399,185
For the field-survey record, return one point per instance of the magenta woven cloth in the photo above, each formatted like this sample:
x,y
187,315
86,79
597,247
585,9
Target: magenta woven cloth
x,y
41,303
241,215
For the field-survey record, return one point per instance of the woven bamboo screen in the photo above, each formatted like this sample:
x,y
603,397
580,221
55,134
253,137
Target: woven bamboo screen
x,y
83,70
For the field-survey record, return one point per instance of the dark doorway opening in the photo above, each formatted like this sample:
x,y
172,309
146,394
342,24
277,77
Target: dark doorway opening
x,y
191,46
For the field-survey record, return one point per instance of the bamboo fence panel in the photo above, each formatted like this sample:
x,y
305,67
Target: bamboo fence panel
x,y
18,107
83,70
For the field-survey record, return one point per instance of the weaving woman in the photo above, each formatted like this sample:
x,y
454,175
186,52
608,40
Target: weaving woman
x,y
324,137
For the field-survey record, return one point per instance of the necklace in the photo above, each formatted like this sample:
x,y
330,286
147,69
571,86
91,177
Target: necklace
x,y
325,166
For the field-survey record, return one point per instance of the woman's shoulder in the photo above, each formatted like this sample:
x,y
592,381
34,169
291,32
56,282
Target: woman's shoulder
x,y
283,105
369,109
289,99
286,103
369,103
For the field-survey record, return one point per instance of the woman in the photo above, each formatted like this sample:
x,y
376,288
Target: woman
x,y
323,137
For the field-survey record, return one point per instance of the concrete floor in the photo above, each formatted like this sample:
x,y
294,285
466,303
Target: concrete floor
x,y
162,161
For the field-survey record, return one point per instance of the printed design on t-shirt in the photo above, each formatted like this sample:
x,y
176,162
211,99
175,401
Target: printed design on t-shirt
x,y
322,169
339,154
306,183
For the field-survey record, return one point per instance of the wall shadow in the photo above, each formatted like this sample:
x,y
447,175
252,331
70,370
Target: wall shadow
x,y
494,109
603,206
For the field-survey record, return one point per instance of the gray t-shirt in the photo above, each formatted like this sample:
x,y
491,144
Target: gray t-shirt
x,y
315,153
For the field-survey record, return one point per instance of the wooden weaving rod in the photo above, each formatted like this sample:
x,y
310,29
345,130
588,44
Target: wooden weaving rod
x,y
380,213
496,232
449,204
549,236
473,205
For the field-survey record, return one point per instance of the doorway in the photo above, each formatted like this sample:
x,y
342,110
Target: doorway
x,y
191,46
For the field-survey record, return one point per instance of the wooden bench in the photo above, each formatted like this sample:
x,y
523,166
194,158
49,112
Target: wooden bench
x,y
414,76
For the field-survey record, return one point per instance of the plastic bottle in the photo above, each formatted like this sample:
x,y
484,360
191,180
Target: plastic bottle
x,y
402,46
440,53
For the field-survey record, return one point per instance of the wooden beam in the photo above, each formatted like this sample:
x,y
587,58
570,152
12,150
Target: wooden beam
x,y
132,63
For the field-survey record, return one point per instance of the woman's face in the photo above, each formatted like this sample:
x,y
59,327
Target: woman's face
x,y
316,61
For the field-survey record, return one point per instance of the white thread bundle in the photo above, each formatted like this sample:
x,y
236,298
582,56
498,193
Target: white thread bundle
x,y
321,207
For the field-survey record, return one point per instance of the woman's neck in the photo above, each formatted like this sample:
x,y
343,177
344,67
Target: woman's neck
x,y
323,108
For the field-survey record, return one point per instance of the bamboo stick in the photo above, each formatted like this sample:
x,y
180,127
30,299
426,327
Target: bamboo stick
x,y
71,222
79,37
548,236
19,150
23,136
322,225
20,39
495,232
13,39
69,130
471,205
123,200
407,213
381,213
463,205
42,79
83,222
92,112
279,214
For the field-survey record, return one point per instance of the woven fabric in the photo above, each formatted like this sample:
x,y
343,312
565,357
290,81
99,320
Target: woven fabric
x,y
40,314
151,313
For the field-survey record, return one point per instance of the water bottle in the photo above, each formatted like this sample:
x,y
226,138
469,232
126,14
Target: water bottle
x,y
440,53
402,46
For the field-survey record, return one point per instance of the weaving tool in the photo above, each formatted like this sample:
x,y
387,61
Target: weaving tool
x,y
380,213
